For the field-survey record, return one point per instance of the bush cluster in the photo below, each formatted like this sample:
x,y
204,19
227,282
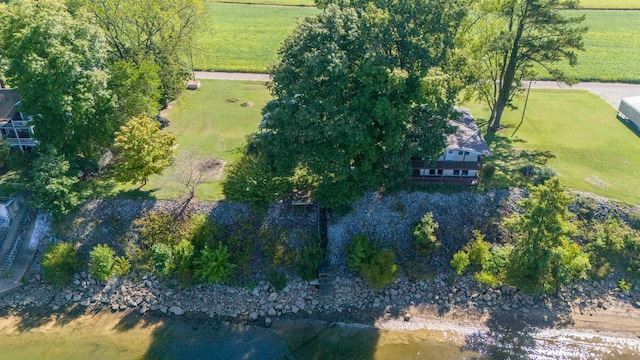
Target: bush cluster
x,y
424,235
60,263
376,265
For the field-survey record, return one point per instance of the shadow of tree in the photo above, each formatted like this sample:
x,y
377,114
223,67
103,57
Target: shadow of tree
x,y
509,160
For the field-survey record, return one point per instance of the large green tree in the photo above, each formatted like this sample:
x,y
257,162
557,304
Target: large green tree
x,y
142,149
507,40
358,90
57,63
52,185
544,258
159,31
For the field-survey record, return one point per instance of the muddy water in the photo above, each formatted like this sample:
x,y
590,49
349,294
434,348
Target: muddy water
x,y
108,336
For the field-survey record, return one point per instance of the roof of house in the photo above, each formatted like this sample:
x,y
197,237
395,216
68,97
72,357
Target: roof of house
x,y
8,101
467,136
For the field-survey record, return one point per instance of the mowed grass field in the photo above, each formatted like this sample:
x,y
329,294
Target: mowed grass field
x,y
270,2
208,123
592,150
612,47
610,4
245,37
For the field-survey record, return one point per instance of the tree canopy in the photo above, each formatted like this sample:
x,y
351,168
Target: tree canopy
x,y
358,90
143,150
544,257
507,39
57,64
158,31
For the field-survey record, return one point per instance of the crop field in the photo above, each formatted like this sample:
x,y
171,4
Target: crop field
x,y
271,2
245,37
612,47
610,4
579,134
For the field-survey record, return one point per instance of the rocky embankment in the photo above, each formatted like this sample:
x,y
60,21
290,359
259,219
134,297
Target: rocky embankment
x,y
352,300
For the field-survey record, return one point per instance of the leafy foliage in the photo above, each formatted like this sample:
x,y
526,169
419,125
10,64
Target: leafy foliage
x,y
57,63
544,258
163,259
478,249
359,252
253,180
183,254
486,278
460,262
308,260
51,186
358,91
143,150
60,263
507,37
213,265
381,269
159,227
377,266
102,262
277,279
121,266
424,237
160,32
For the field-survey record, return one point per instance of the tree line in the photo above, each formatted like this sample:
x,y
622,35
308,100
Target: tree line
x,y
93,74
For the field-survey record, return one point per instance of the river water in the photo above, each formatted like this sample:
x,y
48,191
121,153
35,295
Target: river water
x,y
111,336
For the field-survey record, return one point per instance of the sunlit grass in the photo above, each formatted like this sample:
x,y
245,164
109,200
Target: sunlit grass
x,y
592,150
245,37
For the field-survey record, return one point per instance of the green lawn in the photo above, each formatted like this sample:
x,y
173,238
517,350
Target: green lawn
x,y
610,4
245,37
210,126
592,150
612,47
271,2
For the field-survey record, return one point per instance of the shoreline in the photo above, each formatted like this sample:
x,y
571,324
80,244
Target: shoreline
x,y
486,310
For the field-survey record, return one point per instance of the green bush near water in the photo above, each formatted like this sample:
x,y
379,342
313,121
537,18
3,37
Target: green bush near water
x,y
60,263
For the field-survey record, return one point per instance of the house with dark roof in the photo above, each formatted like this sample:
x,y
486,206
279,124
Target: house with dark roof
x,y
14,126
462,159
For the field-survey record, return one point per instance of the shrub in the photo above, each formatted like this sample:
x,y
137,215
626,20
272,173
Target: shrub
x,y
542,174
478,249
488,170
460,262
381,270
203,231
60,263
158,228
163,260
624,285
602,271
486,278
121,266
277,279
213,265
634,220
102,261
308,260
424,237
359,252
183,258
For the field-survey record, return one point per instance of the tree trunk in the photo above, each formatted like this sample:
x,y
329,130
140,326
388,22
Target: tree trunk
x,y
509,74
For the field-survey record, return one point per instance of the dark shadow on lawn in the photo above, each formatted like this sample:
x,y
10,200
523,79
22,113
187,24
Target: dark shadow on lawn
x,y
508,161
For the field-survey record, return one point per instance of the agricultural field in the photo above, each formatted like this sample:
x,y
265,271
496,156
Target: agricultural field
x,y
586,144
209,123
610,4
612,47
270,2
245,37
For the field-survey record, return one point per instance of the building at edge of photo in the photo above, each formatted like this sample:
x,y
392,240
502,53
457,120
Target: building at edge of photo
x,y
15,126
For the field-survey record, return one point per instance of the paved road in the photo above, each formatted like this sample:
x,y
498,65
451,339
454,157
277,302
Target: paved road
x,y
612,93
